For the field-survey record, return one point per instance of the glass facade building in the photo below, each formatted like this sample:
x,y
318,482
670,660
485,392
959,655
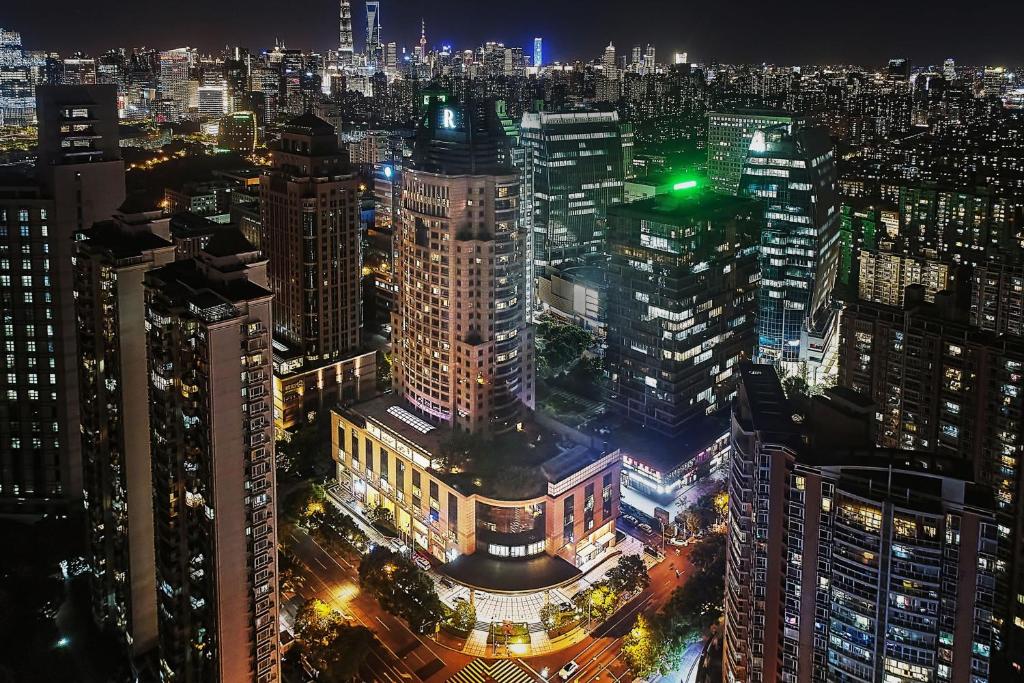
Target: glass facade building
x,y
792,170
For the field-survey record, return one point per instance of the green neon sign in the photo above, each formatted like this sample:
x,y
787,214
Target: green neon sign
x,y
685,185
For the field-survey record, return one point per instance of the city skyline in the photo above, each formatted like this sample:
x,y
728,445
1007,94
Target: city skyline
x,y
709,33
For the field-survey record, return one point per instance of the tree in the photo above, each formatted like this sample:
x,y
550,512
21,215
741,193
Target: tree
x,y
291,580
331,646
335,530
629,575
709,556
456,451
463,617
645,649
560,346
305,450
381,515
401,588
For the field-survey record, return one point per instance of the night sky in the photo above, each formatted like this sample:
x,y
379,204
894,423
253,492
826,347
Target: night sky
x,y
793,32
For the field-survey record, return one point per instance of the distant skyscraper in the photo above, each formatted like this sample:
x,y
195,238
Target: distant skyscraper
x,y
17,86
459,223
174,78
80,181
729,135
899,69
373,39
538,52
575,163
949,69
110,264
682,281
346,44
848,563
680,58
792,169
211,433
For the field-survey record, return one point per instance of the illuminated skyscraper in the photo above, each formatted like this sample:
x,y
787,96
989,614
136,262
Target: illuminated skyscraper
x,y
538,52
373,40
575,163
463,352
174,77
17,101
791,168
346,45
729,135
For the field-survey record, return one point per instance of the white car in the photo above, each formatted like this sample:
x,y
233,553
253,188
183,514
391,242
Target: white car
x,y
646,527
567,671
422,563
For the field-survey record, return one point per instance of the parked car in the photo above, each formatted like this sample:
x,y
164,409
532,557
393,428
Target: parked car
x,y
567,671
631,519
422,563
447,584
646,527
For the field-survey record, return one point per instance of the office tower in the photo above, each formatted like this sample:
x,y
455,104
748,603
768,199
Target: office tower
x,y
729,135
847,563
236,78
943,385
792,170
346,44
17,86
682,280
680,58
899,69
608,88
314,270
213,101
649,63
635,61
949,69
997,298
994,81
538,52
211,434
463,350
373,40
886,271
238,132
574,168
109,266
174,80
80,181
391,55
78,70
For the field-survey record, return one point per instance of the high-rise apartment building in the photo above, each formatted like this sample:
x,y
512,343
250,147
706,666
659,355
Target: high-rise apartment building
x,y
729,136
848,563
109,266
886,272
80,181
944,386
538,52
310,232
463,351
791,168
575,163
997,298
208,345
682,281
17,85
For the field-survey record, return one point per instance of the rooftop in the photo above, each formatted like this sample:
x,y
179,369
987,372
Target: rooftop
x,y
684,204
666,454
510,576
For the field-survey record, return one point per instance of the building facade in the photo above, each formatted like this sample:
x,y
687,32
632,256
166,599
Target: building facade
x,y
729,136
792,170
851,564
109,266
463,351
682,284
211,433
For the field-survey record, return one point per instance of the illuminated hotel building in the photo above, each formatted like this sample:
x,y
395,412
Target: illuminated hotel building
x,y
729,135
463,352
846,562
214,491
682,282
791,169
310,233
109,266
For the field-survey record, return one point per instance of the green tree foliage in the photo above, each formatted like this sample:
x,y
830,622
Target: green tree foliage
x,y
560,346
463,617
333,647
336,531
401,588
305,450
629,575
645,649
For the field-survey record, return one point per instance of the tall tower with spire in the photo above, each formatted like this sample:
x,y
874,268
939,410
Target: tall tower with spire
x,y
346,46
423,39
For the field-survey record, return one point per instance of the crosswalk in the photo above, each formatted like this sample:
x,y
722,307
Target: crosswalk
x,y
482,671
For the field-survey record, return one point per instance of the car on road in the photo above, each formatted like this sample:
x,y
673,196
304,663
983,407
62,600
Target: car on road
x,y
422,563
447,584
645,527
631,519
569,670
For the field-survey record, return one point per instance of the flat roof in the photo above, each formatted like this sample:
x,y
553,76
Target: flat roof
x,y
488,573
664,453
675,206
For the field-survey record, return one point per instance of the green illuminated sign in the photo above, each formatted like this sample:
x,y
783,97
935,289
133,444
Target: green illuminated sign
x,y
685,185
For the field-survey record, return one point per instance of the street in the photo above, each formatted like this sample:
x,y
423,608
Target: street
x,y
405,656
